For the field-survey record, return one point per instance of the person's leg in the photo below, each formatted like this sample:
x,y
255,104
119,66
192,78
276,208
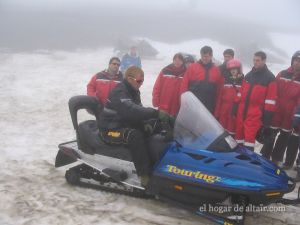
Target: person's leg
x,y
239,132
139,152
251,128
297,179
134,139
292,149
280,146
267,148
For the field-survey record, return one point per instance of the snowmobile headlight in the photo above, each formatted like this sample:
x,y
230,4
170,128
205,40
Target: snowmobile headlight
x,y
178,187
278,171
271,194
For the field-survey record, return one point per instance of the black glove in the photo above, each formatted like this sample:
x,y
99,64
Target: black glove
x,y
234,109
296,122
267,118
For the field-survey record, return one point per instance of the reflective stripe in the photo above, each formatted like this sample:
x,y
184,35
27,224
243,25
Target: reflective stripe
x,y
248,144
297,82
238,86
239,94
228,85
230,132
295,134
107,80
275,128
173,76
240,141
125,99
297,115
165,75
271,102
286,79
285,130
110,111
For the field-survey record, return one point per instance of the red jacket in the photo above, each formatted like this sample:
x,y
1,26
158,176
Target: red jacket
x,y
258,95
224,108
257,104
102,83
166,89
288,88
205,82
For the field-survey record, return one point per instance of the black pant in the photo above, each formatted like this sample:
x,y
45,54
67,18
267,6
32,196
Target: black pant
x,y
267,149
280,146
288,142
292,150
135,140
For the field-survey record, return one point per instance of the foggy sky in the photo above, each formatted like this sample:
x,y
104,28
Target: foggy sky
x,y
70,24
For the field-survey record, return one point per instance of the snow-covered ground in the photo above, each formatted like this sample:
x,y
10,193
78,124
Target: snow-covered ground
x,y
34,119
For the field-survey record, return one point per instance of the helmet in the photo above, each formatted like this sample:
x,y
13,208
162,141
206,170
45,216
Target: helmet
x,y
296,55
233,63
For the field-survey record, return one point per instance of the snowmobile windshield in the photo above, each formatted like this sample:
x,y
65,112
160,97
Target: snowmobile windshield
x,y
196,128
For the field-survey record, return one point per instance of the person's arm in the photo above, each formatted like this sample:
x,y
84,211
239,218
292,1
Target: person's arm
x,y
131,111
123,65
156,90
91,87
185,80
270,103
296,119
220,85
139,62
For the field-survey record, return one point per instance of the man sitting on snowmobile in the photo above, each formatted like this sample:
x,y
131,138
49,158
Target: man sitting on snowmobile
x,y
123,117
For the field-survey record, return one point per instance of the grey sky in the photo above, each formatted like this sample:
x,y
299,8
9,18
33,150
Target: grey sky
x,y
68,24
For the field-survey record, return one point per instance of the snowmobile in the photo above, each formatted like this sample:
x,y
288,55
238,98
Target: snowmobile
x,y
201,168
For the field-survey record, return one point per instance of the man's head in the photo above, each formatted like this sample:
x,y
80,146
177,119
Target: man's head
x,y
113,66
228,54
259,59
135,77
178,60
296,61
206,54
133,51
188,59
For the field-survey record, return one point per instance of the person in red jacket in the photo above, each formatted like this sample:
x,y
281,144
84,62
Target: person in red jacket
x,y
203,79
257,101
233,79
165,93
103,82
288,85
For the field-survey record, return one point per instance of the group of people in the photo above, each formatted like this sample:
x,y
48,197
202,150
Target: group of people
x,y
257,106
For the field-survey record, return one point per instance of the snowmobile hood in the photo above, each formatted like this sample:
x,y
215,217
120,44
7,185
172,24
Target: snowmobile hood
x,y
205,153
237,170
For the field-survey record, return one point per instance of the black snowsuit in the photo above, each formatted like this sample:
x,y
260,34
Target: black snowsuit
x,y
122,123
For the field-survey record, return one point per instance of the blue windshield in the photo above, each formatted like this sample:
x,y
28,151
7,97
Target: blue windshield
x,y
195,127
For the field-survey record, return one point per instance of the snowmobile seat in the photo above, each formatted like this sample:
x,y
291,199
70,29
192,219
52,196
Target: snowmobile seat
x,y
90,142
87,132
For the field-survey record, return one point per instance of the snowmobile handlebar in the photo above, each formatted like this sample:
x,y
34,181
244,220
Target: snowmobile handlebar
x,y
83,102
